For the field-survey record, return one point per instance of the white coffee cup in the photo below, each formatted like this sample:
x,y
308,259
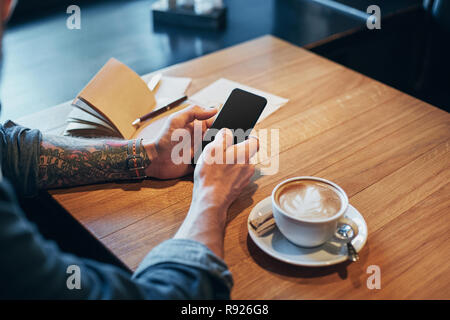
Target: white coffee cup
x,y
307,232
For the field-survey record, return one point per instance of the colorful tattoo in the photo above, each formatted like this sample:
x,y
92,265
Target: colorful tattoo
x,y
67,161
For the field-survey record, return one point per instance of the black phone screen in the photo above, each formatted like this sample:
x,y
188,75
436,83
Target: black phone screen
x,y
239,114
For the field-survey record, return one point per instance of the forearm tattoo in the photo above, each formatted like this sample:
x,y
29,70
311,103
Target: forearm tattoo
x,y
67,161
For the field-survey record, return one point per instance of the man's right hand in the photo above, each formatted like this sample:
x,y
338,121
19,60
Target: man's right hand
x,y
216,185
223,169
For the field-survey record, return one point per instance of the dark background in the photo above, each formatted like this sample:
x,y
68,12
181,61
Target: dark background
x,y
46,63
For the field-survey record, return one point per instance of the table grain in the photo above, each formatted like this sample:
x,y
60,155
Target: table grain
x,y
387,150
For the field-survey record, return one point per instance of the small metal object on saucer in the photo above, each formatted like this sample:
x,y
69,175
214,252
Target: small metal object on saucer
x,y
345,233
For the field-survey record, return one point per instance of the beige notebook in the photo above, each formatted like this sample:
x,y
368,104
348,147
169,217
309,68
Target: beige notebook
x,y
110,102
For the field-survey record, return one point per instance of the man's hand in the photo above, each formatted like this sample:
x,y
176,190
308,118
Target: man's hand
x,y
160,151
224,169
216,186
67,161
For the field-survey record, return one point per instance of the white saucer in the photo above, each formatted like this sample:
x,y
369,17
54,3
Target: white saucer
x,y
276,245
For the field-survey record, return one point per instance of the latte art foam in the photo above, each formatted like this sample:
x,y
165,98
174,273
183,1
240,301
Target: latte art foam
x,y
312,200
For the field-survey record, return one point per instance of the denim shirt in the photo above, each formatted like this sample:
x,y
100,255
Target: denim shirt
x,y
32,267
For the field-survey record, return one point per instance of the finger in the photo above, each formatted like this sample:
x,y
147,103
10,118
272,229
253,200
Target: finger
x,y
210,121
195,112
206,124
223,138
204,128
195,125
245,150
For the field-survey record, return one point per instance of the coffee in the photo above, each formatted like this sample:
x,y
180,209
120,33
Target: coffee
x,y
309,199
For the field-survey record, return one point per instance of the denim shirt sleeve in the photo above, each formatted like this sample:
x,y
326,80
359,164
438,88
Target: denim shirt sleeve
x,y
190,254
35,268
20,157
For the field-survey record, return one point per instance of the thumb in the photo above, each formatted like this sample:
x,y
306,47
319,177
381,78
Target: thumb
x,y
245,150
224,138
195,112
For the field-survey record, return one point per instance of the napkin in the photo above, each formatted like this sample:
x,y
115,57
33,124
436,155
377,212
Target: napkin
x,y
217,93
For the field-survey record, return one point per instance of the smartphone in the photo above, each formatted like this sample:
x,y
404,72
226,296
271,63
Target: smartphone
x,y
239,114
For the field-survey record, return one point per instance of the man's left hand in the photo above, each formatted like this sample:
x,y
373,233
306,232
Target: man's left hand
x,y
160,150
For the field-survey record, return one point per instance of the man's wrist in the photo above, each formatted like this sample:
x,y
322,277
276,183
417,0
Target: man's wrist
x,y
136,159
210,196
205,223
208,205
150,154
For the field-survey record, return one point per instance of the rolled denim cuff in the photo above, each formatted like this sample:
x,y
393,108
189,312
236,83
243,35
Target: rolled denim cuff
x,y
190,253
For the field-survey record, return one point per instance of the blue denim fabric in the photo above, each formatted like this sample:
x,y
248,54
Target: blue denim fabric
x,y
189,254
34,268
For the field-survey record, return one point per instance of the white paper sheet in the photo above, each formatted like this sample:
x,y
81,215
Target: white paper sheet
x,y
170,89
79,115
217,93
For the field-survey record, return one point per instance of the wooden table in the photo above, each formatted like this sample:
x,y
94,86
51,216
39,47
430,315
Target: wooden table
x,y
390,152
